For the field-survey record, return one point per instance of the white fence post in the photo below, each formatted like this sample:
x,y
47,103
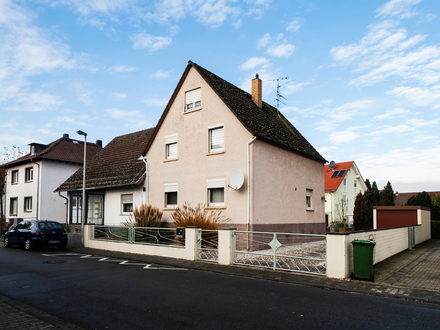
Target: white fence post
x,y
88,231
338,257
191,243
226,246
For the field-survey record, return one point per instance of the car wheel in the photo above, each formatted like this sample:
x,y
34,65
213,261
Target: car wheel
x,y
27,244
6,242
61,247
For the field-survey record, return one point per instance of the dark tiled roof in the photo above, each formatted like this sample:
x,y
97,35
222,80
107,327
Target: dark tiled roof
x,y
64,150
402,198
266,123
116,165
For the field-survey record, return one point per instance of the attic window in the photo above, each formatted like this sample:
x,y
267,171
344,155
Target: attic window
x,y
193,100
338,174
76,142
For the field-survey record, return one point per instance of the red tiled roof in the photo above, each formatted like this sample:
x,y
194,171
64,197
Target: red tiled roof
x,y
63,149
332,184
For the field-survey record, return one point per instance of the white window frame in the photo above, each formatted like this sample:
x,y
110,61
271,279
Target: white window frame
x,y
309,199
215,185
28,174
13,210
193,99
170,144
28,204
355,186
171,188
14,177
216,129
344,182
126,199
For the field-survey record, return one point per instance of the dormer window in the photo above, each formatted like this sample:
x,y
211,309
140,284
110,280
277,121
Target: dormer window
x,y
193,100
32,150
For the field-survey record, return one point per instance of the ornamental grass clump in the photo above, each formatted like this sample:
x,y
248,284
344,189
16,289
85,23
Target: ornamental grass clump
x,y
198,216
146,216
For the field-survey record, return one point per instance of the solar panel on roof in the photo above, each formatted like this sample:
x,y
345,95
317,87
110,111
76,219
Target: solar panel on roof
x,y
335,174
341,173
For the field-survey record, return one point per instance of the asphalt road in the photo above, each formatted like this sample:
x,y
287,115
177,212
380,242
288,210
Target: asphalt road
x,y
98,293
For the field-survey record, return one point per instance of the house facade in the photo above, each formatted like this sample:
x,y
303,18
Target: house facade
x,y
115,182
343,181
31,179
212,132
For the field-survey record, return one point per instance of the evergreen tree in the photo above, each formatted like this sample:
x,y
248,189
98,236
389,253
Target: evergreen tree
x,y
372,198
358,212
422,199
387,195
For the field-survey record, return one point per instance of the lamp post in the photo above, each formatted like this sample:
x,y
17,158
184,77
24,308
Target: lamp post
x,y
83,199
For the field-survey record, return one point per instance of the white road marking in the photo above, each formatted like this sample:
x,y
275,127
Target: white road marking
x,y
124,262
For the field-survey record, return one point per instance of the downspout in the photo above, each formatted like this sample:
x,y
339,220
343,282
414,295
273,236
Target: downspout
x,y
147,179
38,189
67,204
248,221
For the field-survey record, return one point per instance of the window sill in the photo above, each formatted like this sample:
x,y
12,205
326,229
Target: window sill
x,y
310,210
170,208
170,160
14,183
27,211
213,207
191,111
216,153
31,181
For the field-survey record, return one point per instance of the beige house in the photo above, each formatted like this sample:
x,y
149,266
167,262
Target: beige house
x,y
218,145
343,181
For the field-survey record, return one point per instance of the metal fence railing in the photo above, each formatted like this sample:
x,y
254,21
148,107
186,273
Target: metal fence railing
x,y
207,245
138,235
304,253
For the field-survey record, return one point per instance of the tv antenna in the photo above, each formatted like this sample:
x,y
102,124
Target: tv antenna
x,y
279,96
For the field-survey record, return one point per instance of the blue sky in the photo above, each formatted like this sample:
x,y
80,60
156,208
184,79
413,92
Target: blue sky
x,y
364,76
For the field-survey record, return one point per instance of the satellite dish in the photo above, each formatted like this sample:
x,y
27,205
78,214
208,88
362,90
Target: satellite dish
x,y
237,180
332,164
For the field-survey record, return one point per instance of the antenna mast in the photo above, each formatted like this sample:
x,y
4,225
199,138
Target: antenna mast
x,y
279,96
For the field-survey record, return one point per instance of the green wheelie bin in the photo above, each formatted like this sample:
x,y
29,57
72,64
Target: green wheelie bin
x,y
363,259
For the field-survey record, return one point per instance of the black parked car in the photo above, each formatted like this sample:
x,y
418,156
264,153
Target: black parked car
x,y
32,233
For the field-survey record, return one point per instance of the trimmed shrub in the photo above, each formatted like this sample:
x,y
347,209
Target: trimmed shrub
x,y
198,216
145,216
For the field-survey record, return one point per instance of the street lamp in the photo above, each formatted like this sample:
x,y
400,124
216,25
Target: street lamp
x,y
83,206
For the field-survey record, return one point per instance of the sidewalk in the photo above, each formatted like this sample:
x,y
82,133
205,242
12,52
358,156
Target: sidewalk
x,y
410,275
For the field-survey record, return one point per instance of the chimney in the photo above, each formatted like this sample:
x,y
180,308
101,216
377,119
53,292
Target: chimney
x,y
257,91
65,135
99,143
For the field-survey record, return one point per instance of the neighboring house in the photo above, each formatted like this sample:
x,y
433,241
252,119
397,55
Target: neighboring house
x,y
114,181
31,179
402,198
343,182
211,131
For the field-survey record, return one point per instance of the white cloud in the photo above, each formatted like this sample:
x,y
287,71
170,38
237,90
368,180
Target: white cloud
x,y
253,63
294,26
160,74
394,113
133,119
408,169
343,137
283,50
417,96
293,88
153,43
263,41
401,8
214,13
119,96
120,68
35,102
155,102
